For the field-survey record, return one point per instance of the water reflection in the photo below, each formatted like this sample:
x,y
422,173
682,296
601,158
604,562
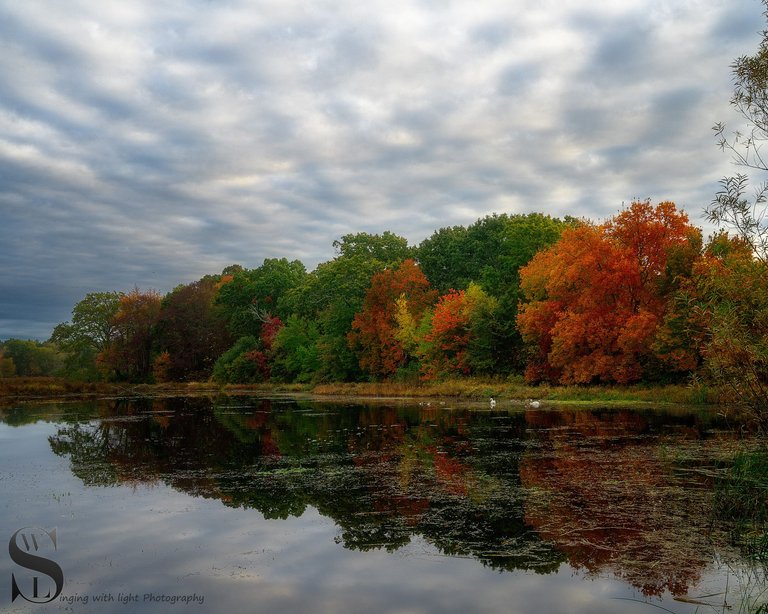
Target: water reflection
x,y
611,494
626,493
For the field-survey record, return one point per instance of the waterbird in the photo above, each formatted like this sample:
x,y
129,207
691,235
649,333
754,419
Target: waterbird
x,y
493,402
534,404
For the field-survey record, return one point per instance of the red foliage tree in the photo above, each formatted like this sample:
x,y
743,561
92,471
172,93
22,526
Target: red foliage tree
x,y
262,356
446,348
450,331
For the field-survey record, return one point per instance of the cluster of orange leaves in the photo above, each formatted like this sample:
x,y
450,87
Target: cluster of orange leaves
x,y
597,296
374,327
451,332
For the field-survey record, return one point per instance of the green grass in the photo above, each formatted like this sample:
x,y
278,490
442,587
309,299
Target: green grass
x,y
742,493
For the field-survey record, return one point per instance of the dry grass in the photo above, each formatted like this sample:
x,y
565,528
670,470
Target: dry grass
x,y
47,386
19,389
471,389
479,389
265,389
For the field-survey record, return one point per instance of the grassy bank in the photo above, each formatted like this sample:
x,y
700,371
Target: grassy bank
x,y
31,388
19,389
476,389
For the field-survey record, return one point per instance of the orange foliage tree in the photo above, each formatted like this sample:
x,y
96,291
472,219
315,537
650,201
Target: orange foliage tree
x,y
446,347
596,298
374,329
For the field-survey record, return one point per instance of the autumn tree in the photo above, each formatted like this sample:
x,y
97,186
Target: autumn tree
x,y
718,321
446,348
596,298
373,336
192,330
681,339
736,355
129,355
491,252
736,348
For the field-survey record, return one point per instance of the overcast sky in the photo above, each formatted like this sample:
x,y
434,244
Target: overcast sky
x,y
150,142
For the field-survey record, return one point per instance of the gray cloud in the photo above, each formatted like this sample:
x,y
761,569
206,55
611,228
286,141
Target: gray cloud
x,y
145,144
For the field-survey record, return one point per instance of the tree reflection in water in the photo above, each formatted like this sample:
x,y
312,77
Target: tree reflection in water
x,y
621,492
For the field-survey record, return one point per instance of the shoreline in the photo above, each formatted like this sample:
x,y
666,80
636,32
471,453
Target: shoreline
x,y
30,390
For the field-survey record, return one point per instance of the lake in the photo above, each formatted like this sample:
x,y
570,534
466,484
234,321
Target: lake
x,y
284,505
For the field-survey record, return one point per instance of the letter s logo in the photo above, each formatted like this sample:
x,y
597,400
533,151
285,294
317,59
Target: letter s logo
x,y
22,543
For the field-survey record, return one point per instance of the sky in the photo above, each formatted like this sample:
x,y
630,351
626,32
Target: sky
x,y
148,143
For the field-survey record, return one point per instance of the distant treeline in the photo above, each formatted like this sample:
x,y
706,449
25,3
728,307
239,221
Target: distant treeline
x,y
640,297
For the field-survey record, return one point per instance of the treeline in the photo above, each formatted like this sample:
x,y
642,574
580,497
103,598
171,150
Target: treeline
x,y
25,357
379,309
640,297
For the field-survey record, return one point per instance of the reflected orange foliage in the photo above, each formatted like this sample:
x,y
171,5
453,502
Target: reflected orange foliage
x,y
614,506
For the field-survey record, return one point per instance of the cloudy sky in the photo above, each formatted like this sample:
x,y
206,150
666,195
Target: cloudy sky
x,y
151,142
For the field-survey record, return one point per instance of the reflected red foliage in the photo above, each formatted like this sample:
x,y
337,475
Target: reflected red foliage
x,y
611,502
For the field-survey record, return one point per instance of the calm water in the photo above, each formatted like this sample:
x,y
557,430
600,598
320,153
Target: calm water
x,y
276,505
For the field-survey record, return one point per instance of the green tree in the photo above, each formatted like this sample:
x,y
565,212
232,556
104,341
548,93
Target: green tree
x,y
296,355
7,366
31,358
491,252
446,259
333,293
386,247
235,365
90,332
251,295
